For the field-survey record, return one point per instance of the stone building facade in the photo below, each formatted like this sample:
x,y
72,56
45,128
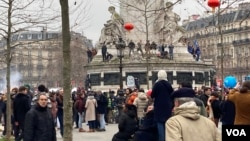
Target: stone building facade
x,y
230,47
37,58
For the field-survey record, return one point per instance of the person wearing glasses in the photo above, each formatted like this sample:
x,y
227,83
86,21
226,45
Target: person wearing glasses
x,y
39,123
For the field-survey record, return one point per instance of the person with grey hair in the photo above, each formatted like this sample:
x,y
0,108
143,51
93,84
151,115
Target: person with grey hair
x,y
39,122
187,124
163,104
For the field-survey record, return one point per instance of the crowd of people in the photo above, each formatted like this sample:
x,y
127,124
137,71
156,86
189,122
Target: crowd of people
x,y
158,114
186,113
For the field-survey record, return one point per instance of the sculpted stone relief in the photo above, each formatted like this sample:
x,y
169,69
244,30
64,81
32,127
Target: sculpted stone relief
x,y
166,25
113,27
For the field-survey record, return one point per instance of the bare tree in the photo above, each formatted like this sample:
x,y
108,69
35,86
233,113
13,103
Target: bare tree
x,y
79,59
18,16
67,115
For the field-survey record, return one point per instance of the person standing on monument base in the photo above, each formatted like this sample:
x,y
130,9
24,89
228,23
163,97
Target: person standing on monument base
x,y
139,47
163,104
131,46
104,52
171,51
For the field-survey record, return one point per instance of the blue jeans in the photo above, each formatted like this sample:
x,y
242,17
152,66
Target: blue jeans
x,y
102,121
161,131
80,119
60,118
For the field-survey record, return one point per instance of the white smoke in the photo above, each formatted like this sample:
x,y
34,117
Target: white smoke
x,y
15,78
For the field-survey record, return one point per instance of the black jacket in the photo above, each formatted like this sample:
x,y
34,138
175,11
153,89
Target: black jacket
x,y
39,125
127,126
21,106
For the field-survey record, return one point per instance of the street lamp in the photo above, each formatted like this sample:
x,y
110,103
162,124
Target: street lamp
x,y
120,46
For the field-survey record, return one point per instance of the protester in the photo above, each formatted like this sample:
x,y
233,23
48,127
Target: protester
x,y
148,130
127,124
240,98
187,124
21,105
39,122
90,106
163,104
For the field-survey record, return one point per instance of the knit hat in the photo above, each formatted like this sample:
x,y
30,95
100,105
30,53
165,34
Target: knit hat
x,y
183,92
27,86
162,75
149,92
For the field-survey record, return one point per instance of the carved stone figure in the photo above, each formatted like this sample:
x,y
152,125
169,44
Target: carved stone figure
x,y
166,25
113,27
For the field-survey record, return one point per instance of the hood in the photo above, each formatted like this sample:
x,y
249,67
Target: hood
x,y
142,96
188,110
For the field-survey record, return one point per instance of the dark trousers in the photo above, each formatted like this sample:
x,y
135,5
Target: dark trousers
x,y
104,57
60,118
18,132
75,117
91,124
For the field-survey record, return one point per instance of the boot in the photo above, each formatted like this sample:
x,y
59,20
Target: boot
x,y
81,130
90,130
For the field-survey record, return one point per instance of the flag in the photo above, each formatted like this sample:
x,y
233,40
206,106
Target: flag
x,y
196,44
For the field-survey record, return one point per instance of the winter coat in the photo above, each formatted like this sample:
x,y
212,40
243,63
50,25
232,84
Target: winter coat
x,y
21,105
163,104
131,98
127,126
241,102
188,125
227,112
54,108
102,103
148,130
59,100
204,98
200,104
39,125
90,106
79,105
141,102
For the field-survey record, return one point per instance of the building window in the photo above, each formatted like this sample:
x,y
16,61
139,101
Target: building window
x,y
232,52
49,36
40,54
34,36
40,36
29,36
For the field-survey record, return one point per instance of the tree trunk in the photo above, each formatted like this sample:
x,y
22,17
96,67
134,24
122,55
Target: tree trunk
x,y
8,62
67,103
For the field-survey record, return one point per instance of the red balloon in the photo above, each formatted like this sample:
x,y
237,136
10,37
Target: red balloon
x,y
128,26
213,4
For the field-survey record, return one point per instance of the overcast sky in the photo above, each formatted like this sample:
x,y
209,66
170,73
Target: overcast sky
x,y
99,14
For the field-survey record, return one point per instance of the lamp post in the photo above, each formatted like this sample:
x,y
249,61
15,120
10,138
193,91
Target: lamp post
x,y
120,46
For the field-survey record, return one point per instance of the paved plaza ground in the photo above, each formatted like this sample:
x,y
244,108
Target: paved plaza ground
x,y
111,129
